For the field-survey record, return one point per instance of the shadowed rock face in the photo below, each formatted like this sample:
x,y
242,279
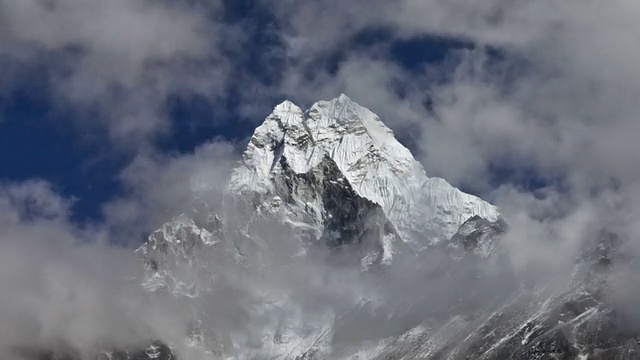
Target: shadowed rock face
x,y
346,218
479,235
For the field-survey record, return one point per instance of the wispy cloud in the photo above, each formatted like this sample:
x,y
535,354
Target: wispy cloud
x,y
63,285
121,59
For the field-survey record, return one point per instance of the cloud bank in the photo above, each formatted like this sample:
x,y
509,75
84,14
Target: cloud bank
x,y
557,104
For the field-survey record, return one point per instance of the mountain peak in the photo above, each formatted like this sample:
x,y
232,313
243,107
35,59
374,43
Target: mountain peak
x,y
366,153
330,121
286,106
339,114
343,97
353,136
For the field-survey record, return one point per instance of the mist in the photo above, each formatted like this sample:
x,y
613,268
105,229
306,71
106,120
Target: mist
x,y
64,286
546,130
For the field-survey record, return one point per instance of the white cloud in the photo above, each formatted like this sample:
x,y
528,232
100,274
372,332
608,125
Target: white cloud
x,y
64,285
560,103
123,58
570,116
159,187
569,111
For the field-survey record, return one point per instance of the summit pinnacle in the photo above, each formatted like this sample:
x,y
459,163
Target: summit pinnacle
x,y
369,159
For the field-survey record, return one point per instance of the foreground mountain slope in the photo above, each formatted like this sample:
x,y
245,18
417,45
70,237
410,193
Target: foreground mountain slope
x,y
579,322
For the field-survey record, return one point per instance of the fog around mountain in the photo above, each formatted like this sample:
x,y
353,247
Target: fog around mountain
x,y
546,94
245,271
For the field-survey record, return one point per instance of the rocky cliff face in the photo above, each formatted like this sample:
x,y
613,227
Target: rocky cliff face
x,y
361,161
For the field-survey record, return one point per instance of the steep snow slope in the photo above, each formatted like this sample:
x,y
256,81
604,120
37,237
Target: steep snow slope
x,y
367,155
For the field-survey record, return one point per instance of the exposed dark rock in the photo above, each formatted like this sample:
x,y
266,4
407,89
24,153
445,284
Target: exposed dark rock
x,y
479,235
348,220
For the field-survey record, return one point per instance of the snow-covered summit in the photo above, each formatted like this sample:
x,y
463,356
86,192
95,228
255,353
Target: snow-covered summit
x,y
375,165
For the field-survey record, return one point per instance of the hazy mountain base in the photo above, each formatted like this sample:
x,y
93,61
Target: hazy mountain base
x,y
579,323
519,323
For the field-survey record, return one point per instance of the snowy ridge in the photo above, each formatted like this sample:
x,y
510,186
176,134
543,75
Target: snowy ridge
x,y
173,256
369,157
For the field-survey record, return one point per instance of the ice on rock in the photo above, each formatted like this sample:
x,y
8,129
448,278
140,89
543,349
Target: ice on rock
x,y
369,158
